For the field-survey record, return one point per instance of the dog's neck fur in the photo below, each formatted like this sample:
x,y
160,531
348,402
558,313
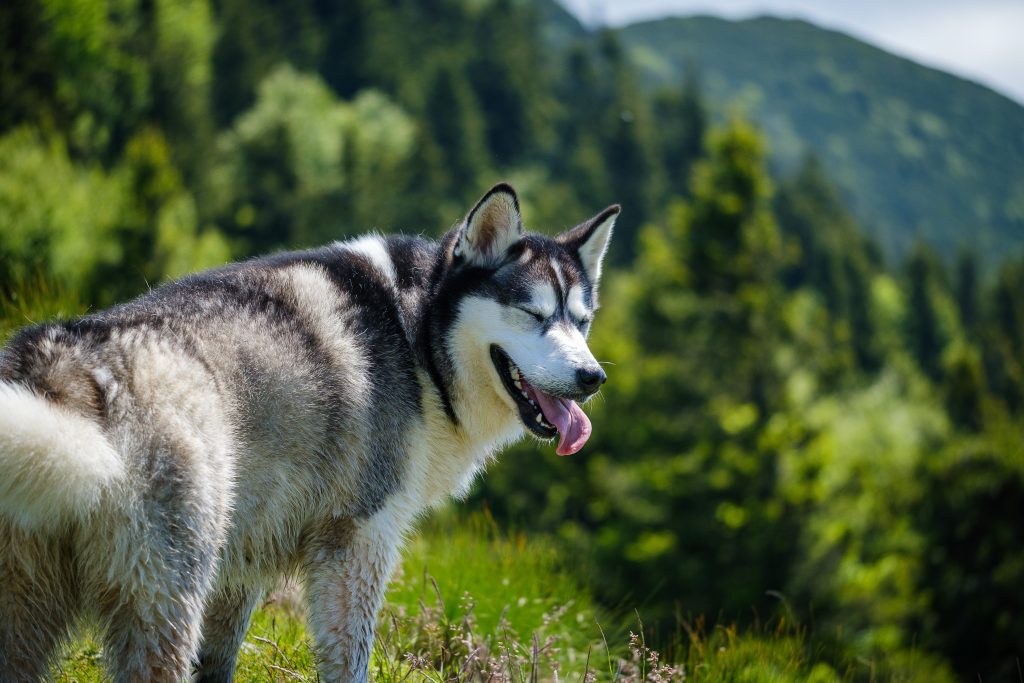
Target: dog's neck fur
x,y
431,284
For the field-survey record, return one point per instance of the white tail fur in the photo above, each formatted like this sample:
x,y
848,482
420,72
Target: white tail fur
x,y
54,464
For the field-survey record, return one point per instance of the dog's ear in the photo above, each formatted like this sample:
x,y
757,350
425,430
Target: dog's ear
x,y
590,240
491,227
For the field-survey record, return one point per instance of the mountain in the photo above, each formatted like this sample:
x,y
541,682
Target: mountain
x,y
558,24
917,153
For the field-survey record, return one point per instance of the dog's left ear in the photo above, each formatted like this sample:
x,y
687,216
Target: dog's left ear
x,y
491,227
590,240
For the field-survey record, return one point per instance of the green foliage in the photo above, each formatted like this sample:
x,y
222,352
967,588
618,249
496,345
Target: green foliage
x,y
972,497
924,334
56,215
1004,337
181,37
72,69
680,117
851,474
507,79
832,258
33,300
303,168
453,118
104,233
964,387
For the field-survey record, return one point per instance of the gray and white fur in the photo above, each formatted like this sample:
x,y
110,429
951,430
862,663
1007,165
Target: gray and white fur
x,y
163,462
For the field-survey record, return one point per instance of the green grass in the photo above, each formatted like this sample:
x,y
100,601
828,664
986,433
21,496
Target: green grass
x,y
470,602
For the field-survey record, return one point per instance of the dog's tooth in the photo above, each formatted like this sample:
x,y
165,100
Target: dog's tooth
x,y
519,385
540,420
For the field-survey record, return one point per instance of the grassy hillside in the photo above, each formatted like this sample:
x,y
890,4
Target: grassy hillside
x,y
918,153
472,604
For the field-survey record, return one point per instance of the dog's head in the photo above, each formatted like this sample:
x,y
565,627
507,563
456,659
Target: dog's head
x,y
522,306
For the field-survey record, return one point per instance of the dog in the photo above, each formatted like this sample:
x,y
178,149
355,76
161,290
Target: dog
x,y
163,462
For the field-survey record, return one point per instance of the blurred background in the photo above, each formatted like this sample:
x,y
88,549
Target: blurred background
x,y
814,314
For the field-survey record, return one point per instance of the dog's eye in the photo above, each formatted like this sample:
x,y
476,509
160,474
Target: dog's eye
x,y
536,316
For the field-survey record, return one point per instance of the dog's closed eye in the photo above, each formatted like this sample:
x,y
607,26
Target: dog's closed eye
x,y
539,317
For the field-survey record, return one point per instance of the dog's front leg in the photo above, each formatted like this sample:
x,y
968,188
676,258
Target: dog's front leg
x,y
348,565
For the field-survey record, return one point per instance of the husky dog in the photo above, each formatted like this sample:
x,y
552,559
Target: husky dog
x,y
164,461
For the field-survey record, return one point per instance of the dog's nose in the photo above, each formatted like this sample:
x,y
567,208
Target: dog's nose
x,y
590,379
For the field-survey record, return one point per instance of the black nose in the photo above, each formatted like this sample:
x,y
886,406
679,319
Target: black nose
x,y
590,380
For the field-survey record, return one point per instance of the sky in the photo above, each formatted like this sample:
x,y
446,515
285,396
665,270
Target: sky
x,y
982,40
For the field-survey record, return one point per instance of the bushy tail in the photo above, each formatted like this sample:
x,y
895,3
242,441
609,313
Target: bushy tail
x,y
54,464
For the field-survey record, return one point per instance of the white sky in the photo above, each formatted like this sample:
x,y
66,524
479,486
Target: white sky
x,y
981,40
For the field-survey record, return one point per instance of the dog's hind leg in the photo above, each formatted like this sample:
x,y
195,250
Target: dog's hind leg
x,y
227,617
38,602
151,641
152,608
162,558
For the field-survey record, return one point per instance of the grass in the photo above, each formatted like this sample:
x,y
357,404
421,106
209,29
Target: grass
x,y
470,603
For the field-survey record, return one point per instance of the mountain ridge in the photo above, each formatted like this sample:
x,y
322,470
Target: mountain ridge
x,y
918,153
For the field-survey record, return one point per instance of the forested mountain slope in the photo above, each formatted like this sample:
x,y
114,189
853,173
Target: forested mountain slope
x,y
917,153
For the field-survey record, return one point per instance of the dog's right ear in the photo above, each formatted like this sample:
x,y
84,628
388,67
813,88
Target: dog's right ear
x,y
491,227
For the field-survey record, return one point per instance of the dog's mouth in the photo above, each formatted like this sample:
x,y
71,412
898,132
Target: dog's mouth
x,y
543,414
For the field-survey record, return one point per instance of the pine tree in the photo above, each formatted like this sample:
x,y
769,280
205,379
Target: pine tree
x,y
1004,336
704,312
964,387
923,336
834,258
733,236
457,128
347,60
255,37
506,76
967,290
627,146
680,117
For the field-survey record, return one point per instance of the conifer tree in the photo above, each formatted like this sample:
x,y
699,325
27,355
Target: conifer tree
x,y
680,117
964,387
347,59
924,338
733,237
506,76
967,290
1004,336
627,147
456,126
833,257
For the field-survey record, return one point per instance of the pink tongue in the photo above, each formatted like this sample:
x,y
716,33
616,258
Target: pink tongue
x,y
572,423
